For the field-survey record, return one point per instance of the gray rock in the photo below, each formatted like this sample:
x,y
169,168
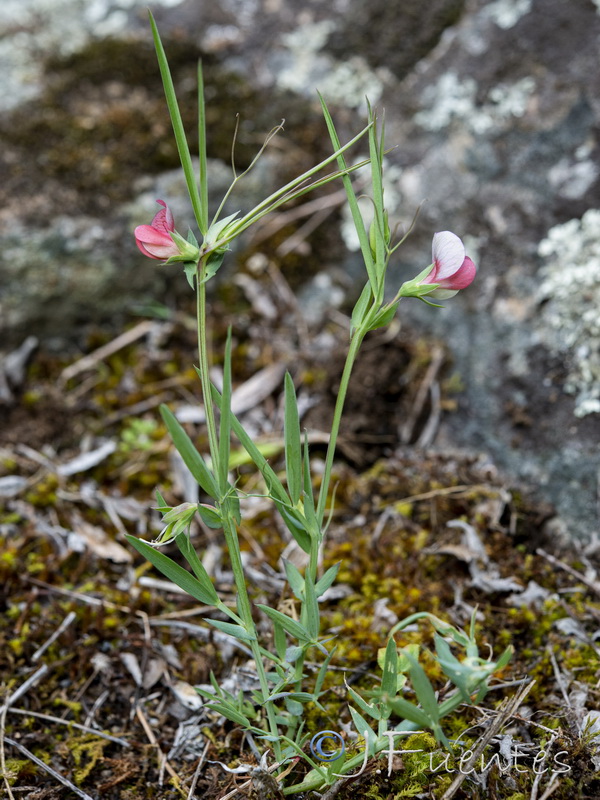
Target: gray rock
x,y
494,109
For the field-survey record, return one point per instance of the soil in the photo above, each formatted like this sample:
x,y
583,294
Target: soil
x,y
92,636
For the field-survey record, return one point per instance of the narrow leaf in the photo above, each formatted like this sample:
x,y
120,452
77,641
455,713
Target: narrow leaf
x,y
311,609
389,681
423,689
292,626
322,674
327,579
293,447
174,572
411,712
192,458
190,555
232,630
371,710
202,153
280,640
359,224
364,729
275,486
295,525
225,422
310,514
178,129
295,579
230,713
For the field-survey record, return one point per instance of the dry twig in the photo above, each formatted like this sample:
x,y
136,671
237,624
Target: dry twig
x,y
505,712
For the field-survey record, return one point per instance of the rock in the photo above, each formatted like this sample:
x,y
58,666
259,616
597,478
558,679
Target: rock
x,y
493,109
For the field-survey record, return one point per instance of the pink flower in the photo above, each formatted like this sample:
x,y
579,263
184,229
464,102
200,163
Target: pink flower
x,y
452,269
154,240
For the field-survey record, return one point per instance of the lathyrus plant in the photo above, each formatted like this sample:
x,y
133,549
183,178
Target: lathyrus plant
x,y
274,711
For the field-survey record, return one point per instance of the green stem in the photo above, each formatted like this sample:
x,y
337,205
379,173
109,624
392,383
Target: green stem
x,y
229,525
211,425
245,611
355,343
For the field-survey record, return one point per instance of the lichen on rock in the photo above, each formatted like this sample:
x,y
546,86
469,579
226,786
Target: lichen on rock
x,y
570,296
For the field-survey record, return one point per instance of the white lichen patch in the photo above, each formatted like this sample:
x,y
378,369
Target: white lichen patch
x,y
344,83
29,29
597,4
453,98
569,319
506,13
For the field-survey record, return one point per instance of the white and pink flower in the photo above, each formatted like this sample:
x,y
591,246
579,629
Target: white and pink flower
x,y
452,268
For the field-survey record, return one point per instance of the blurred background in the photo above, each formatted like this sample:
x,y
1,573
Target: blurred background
x,y
492,113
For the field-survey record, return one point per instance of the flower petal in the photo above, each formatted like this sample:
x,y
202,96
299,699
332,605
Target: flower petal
x,y
163,219
155,243
462,278
448,255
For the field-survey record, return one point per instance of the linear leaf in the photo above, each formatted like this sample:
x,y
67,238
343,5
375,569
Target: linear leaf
x,y
311,609
190,555
359,224
202,153
192,458
423,689
231,629
225,422
174,572
292,626
275,486
293,447
411,712
178,129
327,579
280,640
364,729
230,713
371,710
296,525
295,579
389,681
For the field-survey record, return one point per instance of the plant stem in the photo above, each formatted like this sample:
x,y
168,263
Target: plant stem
x,y
355,343
209,411
245,612
229,524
